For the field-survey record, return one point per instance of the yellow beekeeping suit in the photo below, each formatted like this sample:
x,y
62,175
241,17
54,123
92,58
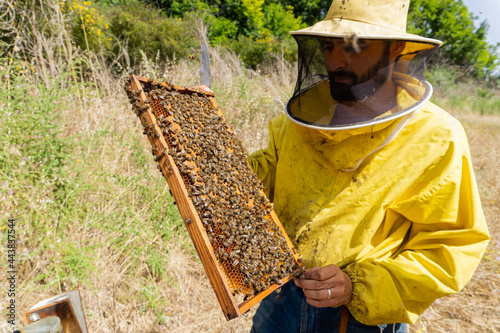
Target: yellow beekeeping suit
x,y
406,226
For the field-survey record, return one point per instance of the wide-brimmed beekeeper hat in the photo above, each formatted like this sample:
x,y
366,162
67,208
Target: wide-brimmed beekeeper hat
x,y
369,19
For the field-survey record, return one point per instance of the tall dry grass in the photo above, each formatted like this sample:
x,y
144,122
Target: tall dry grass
x,y
115,234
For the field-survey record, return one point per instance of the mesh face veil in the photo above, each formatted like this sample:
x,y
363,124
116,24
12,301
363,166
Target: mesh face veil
x,y
359,67
350,82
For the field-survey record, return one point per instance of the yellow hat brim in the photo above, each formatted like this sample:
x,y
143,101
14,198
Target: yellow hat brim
x,y
341,28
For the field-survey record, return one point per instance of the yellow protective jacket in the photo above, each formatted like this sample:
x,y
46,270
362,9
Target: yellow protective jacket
x,y
406,225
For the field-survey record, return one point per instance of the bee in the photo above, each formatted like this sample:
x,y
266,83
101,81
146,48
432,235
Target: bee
x,y
234,263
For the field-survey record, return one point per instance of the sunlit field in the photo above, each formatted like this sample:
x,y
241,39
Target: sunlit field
x,y
93,213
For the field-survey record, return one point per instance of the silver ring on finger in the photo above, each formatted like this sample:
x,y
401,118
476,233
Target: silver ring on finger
x,y
329,294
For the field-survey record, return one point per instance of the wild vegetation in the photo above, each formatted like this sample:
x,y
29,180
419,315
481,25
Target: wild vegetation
x,y
93,213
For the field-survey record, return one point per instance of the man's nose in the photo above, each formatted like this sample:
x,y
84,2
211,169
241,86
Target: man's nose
x,y
336,59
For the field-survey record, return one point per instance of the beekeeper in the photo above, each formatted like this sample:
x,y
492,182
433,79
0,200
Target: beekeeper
x,y
372,182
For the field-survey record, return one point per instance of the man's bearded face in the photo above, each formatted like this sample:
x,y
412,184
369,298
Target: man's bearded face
x,y
346,85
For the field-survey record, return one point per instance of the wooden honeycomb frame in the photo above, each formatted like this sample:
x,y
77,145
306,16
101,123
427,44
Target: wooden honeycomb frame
x,y
218,274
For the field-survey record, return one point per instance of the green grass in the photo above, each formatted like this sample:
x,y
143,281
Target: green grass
x,y
83,184
457,91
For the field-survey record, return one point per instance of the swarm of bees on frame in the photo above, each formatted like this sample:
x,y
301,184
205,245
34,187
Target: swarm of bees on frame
x,y
228,197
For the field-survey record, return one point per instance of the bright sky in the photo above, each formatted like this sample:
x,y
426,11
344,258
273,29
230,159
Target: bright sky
x,y
488,10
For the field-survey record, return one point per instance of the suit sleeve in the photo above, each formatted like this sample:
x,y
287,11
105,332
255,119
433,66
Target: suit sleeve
x,y
444,245
264,161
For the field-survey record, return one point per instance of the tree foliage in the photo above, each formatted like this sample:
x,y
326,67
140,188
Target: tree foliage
x,y
310,11
463,44
255,29
255,21
147,31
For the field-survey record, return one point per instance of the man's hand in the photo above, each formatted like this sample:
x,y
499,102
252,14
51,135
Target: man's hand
x,y
325,286
204,88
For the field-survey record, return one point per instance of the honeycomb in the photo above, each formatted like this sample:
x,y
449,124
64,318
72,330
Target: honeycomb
x,y
228,197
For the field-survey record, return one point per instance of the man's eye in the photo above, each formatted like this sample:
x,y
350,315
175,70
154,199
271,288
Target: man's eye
x,y
350,49
327,47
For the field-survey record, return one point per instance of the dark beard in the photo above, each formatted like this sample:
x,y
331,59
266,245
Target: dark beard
x,y
361,87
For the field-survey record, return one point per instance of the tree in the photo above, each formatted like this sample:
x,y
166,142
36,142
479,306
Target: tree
x,y
265,24
310,11
463,43
255,29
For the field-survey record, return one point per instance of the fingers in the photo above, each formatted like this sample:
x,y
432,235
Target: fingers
x,y
319,298
316,284
320,278
317,281
322,273
320,295
337,292
204,88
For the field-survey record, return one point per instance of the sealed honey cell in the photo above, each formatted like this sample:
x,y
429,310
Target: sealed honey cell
x,y
239,239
